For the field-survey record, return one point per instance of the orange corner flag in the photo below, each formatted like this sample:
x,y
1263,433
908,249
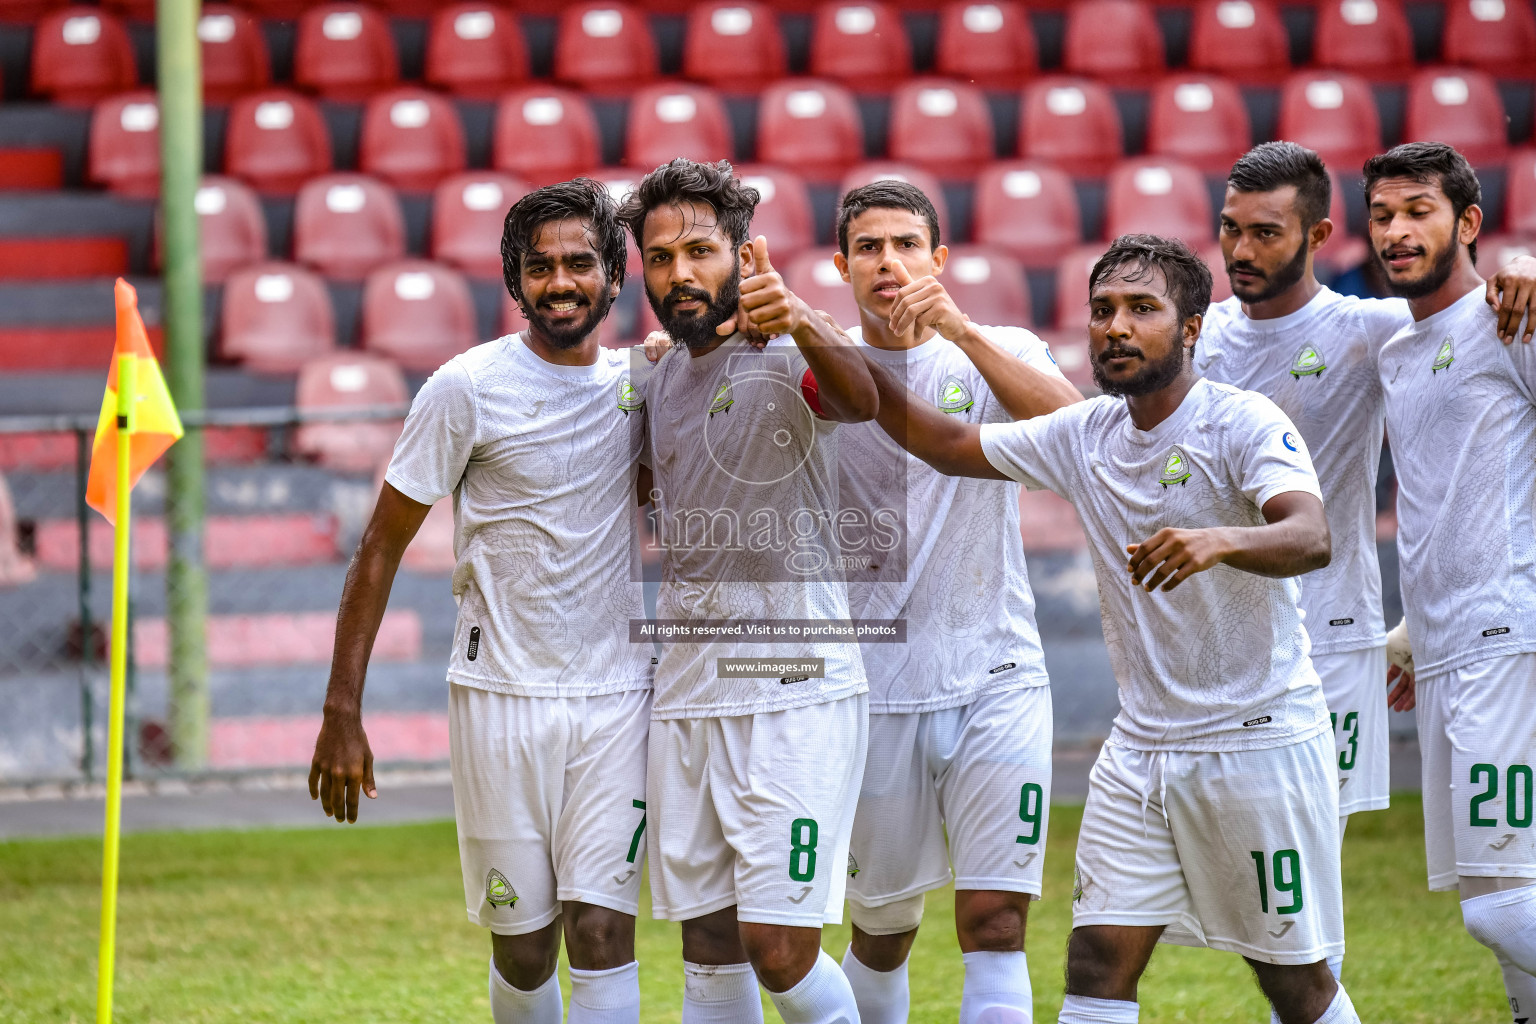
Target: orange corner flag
x,y
154,425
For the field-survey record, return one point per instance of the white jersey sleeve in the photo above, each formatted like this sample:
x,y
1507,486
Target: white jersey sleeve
x,y
1040,453
1027,347
1272,455
439,435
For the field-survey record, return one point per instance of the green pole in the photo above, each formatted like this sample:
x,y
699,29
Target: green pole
x,y
186,581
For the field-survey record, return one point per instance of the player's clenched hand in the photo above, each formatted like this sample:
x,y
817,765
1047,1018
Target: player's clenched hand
x,y
1512,292
1171,556
342,766
1404,693
924,303
769,304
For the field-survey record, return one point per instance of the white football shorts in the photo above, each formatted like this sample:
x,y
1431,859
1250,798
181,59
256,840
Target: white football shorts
x,y
1355,686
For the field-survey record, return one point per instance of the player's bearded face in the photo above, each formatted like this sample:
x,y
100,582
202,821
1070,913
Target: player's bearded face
x,y
1253,282
1135,334
566,316
692,272
690,314
1417,251
1154,374
565,285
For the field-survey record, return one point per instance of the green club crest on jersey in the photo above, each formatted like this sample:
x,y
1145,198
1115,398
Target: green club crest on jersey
x,y
499,891
1175,467
1444,358
723,398
630,398
1308,362
954,396
853,865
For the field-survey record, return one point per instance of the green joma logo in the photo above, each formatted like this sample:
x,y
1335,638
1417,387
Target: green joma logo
x,y
499,891
723,398
1308,362
1444,358
954,396
630,398
1175,468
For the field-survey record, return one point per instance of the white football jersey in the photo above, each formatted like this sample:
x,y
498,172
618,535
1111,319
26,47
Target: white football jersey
x,y
1461,415
746,494
1318,365
1221,663
541,462
962,587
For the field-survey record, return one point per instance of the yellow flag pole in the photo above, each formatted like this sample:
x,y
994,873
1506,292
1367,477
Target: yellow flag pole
x,y
126,367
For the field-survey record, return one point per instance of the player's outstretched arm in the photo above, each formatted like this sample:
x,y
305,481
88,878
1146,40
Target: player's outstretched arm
x,y
1293,540
950,445
343,762
1024,391
843,384
1512,294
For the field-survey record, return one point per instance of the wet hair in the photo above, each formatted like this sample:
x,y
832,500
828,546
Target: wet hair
x,y
578,199
1432,163
1274,165
688,181
886,194
1189,279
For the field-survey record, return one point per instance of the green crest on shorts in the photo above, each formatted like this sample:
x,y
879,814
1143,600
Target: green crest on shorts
x,y
1445,358
1308,361
1175,467
499,891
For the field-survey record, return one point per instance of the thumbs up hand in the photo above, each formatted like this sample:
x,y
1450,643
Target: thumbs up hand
x,y
924,303
770,306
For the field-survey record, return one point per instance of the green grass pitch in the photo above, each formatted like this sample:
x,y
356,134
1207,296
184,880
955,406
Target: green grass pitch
x,y
366,924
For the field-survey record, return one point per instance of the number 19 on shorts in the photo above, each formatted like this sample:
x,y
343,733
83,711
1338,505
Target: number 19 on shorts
x,y
1283,872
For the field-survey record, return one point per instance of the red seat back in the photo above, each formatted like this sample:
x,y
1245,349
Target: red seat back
x,y
1346,248
411,138
1460,107
783,213
1520,193
1160,197
942,126
1366,37
987,42
881,170
733,45
475,49
232,230
673,120
988,285
344,225
1332,113
418,313
1072,123
861,43
544,135
234,53
1029,209
813,277
1498,36
1200,120
1072,287
80,54
276,317
345,51
604,46
469,211
1113,40
812,126
349,379
125,143
1242,39
276,140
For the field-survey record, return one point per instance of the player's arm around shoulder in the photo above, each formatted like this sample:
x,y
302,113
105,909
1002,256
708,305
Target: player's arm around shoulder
x,y
1512,294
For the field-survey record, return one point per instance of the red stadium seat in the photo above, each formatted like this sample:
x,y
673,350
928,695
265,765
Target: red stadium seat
x,y
1116,41
1498,36
604,46
1160,197
344,51
276,317
276,140
1072,123
672,120
80,54
411,138
1494,251
1242,39
234,53
1216,261
941,126
476,49
1029,209
1460,107
1520,193
1200,120
988,43
418,313
349,380
814,277
544,135
988,285
344,225
783,213
1366,37
232,230
125,143
811,126
861,44
468,212
882,170
1072,287
733,45
1346,248
1332,113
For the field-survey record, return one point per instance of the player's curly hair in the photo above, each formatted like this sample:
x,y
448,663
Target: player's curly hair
x,y
580,199
1189,279
1273,165
688,181
1431,163
886,194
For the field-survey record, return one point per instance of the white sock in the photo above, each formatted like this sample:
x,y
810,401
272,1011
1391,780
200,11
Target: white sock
x,y
1340,1011
1521,990
997,989
606,997
822,996
726,994
514,1006
882,996
1087,1010
1505,922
